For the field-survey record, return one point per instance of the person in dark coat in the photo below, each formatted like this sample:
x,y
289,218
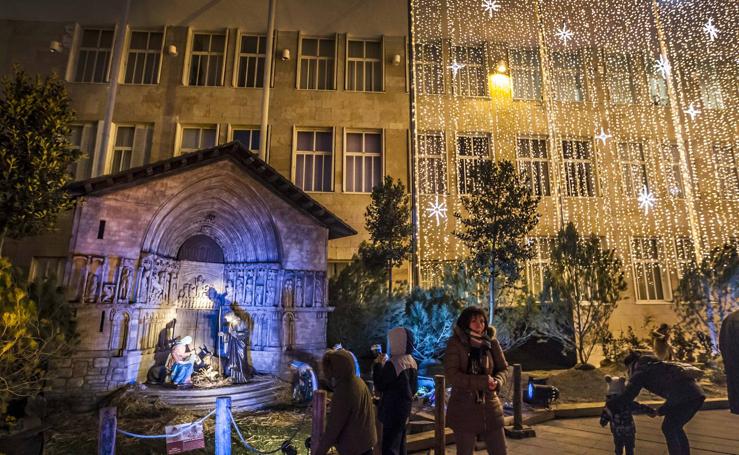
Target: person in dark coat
x,y
350,425
684,397
397,382
728,342
475,367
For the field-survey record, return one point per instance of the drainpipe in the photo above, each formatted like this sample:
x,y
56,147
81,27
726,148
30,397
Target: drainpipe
x,y
267,79
115,69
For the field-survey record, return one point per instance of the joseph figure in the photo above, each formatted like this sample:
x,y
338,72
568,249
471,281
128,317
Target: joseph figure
x,y
234,344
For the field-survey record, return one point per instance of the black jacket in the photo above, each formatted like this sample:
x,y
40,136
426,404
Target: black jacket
x,y
729,344
397,392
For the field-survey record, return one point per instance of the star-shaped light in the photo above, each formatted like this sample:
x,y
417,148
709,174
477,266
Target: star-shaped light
x,y
675,191
711,29
437,210
692,111
564,33
663,66
602,136
646,200
455,67
490,6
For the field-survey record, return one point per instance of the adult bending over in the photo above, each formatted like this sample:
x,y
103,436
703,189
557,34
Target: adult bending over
x,y
475,367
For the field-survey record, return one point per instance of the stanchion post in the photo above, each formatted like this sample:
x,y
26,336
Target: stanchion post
x,y
107,427
223,426
439,415
518,431
319,418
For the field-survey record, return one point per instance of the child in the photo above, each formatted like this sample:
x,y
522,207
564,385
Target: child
x,y
621,419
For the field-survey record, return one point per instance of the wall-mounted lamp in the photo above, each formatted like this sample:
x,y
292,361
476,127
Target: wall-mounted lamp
x,y
55,47
500,78
285,55
172,50
396,60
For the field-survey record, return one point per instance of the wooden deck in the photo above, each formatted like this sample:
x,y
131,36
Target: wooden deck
x,y
710,433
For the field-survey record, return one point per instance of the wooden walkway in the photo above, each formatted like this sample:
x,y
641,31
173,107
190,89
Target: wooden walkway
x,y
710,433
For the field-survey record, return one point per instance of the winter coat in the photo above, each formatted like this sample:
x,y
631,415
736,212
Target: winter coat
x,y
397,388
729,344
622,420
661,378
465,412
350,425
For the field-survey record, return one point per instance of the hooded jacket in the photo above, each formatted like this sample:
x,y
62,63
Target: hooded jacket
x,y
465,412
729,344
350,425
397,379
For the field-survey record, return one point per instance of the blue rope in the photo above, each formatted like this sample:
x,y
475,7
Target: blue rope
x,y
156,436
253,449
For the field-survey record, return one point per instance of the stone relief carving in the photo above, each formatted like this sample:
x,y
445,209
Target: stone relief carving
x,y
288,296
299,291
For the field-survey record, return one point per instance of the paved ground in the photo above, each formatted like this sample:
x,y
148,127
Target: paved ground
x,y
710,432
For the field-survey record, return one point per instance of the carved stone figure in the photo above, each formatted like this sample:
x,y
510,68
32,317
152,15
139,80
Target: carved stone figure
x,y
107,293
123,284
287,294
239,289
299,292
92,287
269,299
319,292
249,296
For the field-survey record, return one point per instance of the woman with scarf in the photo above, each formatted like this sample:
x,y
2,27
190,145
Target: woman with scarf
x,y
475,367
397,382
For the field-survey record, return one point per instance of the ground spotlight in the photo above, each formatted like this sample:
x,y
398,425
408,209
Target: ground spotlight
x,y
539,393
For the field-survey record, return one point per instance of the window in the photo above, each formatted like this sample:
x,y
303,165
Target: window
x,y
122,149
673,173
429,73
364,66
538,265
569,78
131,147
363,161
93,59
82,138
728,169
648,272
144,57
620,79
206,59
431,163
317,57
657,84
45,267
533,162
684,253
633,168
472,150
250,61
197,138
247,136
710,86
579,168
525,74
314,160
470,79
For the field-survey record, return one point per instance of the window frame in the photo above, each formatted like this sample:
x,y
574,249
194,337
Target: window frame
x,y
672,169
233,127
332,155
442,157
458,158
189,54
547,160
435,66
77,46
129,37
483,66
645,262
539,263
530,68
346,154
591,161
181,130
722,167
558,74
365,60
238,54
633,191
614,73
299,63
711,91
115,148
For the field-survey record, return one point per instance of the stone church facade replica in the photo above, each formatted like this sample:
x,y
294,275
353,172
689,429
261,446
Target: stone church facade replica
x,y
154,249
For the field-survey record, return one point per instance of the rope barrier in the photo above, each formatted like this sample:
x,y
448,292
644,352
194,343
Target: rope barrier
x,y
249,447
155,436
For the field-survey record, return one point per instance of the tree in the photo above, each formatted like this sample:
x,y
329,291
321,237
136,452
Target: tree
x,y
585,282
708,292
388,222
496,223
34,154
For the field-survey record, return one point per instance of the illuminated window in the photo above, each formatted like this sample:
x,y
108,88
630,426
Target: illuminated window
x,y
472,150
533,161
633,168
431,163
314,159
579,168
364,66
429,72
93,58
525,74
620,79
649,276
362,161
471,79
568,77
712,95
317,63
673,173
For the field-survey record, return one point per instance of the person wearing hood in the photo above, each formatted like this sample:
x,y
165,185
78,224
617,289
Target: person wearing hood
x,y
684,397
397,382
475,367
350,426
